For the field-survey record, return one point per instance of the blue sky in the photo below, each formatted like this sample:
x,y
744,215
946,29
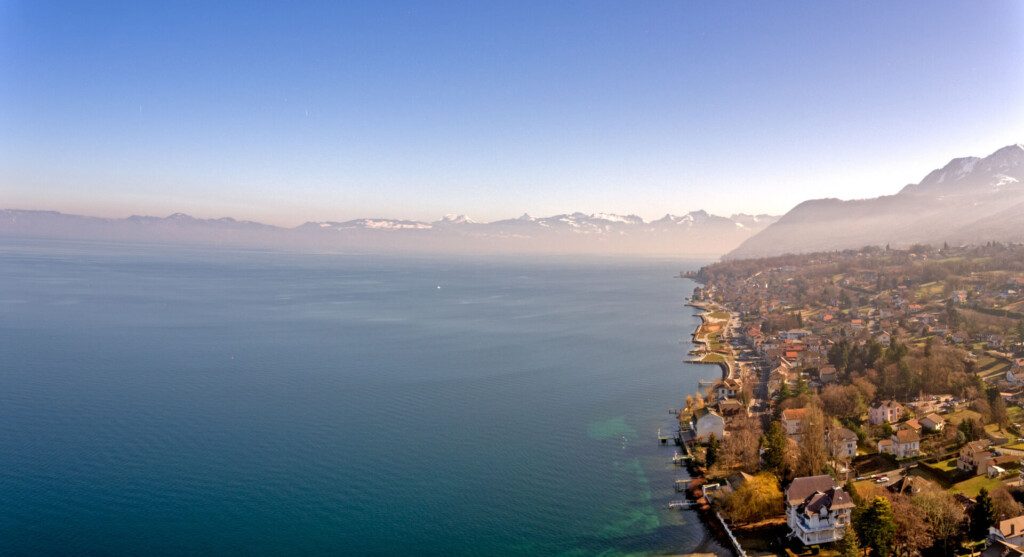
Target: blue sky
x,y
337,110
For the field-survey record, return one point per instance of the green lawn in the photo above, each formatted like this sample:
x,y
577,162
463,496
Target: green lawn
x,y
720,315
960,415
972,486
943,466
995,431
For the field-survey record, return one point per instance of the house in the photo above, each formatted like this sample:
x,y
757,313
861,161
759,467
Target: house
x,y
999,548
842,443
828,374
793,421
817,511
706,422
996,465
911,485
972,455
1015,374
911,424
730,406
794,334
933,422
725,389
1010,531
885,411
904,443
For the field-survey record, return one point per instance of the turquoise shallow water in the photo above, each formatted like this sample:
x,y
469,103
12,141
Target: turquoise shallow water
x,y
157,401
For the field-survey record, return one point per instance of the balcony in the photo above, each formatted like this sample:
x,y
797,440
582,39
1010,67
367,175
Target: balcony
x,y
821,526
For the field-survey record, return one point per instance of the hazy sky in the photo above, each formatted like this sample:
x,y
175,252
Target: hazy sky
x,y
287,113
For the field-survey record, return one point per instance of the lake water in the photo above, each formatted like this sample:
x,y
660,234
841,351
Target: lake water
x,y
157,401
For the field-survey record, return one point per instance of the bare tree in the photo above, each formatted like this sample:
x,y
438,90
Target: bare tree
x,y
813,455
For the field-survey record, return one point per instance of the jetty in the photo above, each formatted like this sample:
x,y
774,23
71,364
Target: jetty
x,y
680,504
664,438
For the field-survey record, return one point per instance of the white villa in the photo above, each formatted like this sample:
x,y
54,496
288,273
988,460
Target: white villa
x,y
726,389
933,422
842,443
904,443
886,411
817,511
706,422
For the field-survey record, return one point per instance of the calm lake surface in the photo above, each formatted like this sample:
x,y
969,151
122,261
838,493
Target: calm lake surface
x,y
170,401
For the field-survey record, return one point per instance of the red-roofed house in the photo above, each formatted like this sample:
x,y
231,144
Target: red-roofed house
x,y
793,421
904,443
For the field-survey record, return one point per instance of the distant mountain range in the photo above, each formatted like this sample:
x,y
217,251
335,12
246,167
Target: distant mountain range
x,y
696,234
971,200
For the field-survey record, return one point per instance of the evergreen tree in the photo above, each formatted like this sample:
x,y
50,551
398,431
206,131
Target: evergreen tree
x,y
711,456
876,526
801,386
784,392
774,444
972,429
896,351
983,515
853,493
849,545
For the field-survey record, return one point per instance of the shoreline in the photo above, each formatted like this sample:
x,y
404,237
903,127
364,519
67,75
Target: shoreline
x,y
709,518
703,349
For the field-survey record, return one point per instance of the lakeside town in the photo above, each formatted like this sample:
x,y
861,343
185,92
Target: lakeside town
x,y
870,402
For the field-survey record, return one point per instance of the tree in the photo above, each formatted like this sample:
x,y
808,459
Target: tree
x,y
983,516
843,401
866,388
739,451
887,430
711,455
849,545
944,516
839,355
876,526
1004,506
774,444
756,499
913,533
783,392
972,429
998,411
896,351
813,455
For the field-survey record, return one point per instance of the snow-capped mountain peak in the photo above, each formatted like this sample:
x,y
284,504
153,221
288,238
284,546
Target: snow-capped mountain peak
x,y
453,218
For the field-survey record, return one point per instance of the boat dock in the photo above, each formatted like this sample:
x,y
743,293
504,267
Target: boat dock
x,y
680,504
664,438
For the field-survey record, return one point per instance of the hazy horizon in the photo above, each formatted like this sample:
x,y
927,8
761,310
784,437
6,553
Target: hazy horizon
x,y
322,112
